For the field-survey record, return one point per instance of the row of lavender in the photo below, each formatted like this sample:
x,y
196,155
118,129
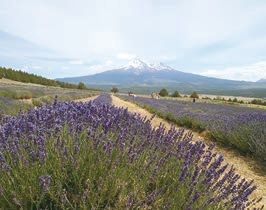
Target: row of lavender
x,y
104,98
95,156
241,127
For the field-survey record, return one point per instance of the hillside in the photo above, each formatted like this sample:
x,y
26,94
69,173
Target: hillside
x,y
144,78
262,81
21,76
18,96
20,91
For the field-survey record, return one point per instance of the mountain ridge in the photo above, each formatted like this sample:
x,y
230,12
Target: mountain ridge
x,y
140,66
139,75
262,80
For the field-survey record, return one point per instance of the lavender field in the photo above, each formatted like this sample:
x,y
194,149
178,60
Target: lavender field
x,y
11,106
73,155
15,96
240,127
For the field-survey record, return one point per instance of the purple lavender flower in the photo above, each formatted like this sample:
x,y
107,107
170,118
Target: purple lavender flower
x,y
63,128
45,182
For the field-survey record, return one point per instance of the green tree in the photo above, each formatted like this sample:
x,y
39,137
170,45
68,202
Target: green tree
x,y
194,95
235,100
114,90
22,76
81,85
163,92
176,94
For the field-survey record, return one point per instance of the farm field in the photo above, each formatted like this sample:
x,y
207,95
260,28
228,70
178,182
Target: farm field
x,y
132,105
16,96
206,98
93,156
239,127
245,166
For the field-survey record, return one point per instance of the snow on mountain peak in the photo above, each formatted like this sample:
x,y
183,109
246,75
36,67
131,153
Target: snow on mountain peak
x,y
160,66
138,65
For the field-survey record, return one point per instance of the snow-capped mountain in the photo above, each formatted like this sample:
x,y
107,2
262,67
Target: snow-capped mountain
x,y
262,80
161,66
138,66
142,76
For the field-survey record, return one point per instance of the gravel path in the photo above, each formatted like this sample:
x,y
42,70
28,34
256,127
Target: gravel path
x,y
244,166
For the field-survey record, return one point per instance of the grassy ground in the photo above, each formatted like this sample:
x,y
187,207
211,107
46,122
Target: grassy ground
x,y
16,96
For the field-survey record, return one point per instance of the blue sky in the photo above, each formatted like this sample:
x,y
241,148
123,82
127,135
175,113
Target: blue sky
x,y
60,38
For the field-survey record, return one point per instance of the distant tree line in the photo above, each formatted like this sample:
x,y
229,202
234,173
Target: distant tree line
x,y
163,92
21,76
258,102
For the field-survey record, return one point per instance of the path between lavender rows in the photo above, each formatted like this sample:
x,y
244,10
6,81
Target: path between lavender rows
x,y
243,165
86,99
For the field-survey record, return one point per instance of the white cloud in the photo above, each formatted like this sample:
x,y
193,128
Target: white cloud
x,y
125,56
76,62
25,68
191,34
167,57
251,72
36,67
107,65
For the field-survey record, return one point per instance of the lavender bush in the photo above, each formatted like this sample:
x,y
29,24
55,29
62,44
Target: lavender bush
x,y
95,156
104,98
240,127
9,106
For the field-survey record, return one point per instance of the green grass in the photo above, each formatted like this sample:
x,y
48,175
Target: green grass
x,y
12,96
16,94
12,107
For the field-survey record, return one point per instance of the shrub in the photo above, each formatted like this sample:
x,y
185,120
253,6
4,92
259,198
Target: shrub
x,y
258,102
22,95
194,95
81,86
9,106
37,102
235,100
114,90
163,92
176,94
16,94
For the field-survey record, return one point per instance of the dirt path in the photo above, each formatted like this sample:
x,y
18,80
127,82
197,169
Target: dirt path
x,y
244,166
86,99
26,101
